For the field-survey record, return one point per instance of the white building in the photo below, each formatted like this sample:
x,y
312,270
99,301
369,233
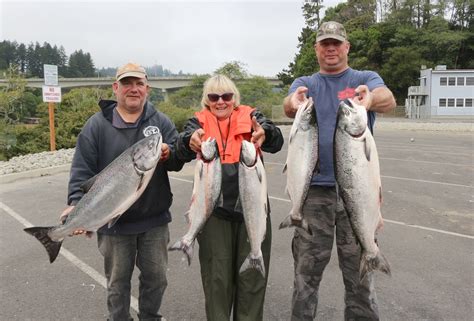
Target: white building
x,y
441,92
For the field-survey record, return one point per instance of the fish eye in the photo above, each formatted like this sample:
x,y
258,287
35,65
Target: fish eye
x,y
347,112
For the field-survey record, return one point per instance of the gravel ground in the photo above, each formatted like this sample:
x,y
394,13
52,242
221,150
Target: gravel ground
x,y
64,156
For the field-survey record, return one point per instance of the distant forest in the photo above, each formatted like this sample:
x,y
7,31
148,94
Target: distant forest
x,y
29,60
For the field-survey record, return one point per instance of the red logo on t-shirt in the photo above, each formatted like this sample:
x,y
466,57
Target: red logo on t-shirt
x,y
346,93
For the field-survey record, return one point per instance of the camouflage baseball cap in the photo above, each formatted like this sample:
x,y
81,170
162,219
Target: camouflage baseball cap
x,y
331,30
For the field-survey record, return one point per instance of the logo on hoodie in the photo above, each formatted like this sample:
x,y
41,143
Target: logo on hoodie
x,y
150,130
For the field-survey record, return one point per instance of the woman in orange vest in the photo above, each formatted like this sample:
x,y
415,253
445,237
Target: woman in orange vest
x,y
223,244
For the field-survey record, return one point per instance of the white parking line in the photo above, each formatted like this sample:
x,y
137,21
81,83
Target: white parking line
x,y
385,220
81,265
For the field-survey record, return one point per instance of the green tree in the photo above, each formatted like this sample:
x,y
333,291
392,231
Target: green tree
x,y
178,115
33,58
304,62
401,70
80,65
234,70
257,92
190,96
11,95
8,54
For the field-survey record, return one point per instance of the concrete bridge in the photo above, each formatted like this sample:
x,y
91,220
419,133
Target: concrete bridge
x,y
166,84
163,83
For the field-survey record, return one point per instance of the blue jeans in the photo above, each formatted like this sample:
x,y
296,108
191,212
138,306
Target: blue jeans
x,y
149,252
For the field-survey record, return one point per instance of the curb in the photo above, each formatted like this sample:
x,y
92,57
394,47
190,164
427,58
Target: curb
x,y
39,172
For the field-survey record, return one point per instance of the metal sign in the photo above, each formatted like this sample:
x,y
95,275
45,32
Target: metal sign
x,y
51,94
50,75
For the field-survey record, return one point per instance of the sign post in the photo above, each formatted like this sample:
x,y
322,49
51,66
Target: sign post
x,y
51,95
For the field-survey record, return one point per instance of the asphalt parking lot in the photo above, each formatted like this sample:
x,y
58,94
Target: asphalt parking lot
x,y
427,179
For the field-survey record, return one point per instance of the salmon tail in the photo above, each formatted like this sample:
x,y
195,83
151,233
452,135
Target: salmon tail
x,y
288,222
187,249
41,233
368,264
253,263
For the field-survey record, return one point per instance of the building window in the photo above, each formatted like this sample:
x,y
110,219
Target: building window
x,y
459,102
460,81
450,102
451,81
469,81
468,102
442,102
443,81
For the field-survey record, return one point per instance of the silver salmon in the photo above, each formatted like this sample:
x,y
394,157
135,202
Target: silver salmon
x,y
107,195
357,173
254,200
206,192
301,162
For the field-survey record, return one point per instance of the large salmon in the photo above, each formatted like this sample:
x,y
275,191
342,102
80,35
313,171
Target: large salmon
x,y
107,195
301,162
254,200
358,180
206,192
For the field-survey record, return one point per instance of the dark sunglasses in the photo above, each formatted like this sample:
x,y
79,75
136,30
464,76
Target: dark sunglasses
x,y
225,97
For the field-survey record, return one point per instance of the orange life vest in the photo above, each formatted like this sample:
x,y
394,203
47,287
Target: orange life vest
x,y
239,129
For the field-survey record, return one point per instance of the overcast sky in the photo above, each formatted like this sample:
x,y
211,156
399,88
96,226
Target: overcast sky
x,y
189,36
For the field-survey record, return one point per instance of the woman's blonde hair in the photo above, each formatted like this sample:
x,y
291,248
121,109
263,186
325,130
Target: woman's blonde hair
x,y
219,84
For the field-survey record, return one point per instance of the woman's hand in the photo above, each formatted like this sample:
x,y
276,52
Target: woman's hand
x,y
195,141
258,134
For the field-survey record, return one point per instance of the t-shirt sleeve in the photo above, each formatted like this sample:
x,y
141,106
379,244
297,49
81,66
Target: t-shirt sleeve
x,y
298,82
373,80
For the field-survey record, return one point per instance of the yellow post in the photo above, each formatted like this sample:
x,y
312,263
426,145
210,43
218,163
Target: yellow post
x,y
52,140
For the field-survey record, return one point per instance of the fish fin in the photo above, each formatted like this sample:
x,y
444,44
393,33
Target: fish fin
x,y
186,217
340,206
187,249
285,223
86,186
41,233
288,222
380,196
379,224
285,168
367,149
201,170
259,173
254,263
379,262
140,183
292,134
113,221
317,168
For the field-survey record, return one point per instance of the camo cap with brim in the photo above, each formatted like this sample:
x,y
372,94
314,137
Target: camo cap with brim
x,y
331,30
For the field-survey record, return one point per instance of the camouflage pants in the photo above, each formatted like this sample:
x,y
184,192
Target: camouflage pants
x,y
311,254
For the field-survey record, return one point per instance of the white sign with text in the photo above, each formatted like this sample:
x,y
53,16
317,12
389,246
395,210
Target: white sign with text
x,y
51,94
50,75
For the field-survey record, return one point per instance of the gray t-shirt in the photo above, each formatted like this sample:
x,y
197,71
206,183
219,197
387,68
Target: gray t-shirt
x,y
327,92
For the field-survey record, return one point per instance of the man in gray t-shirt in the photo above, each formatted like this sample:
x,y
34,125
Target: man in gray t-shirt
x,y
334,82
